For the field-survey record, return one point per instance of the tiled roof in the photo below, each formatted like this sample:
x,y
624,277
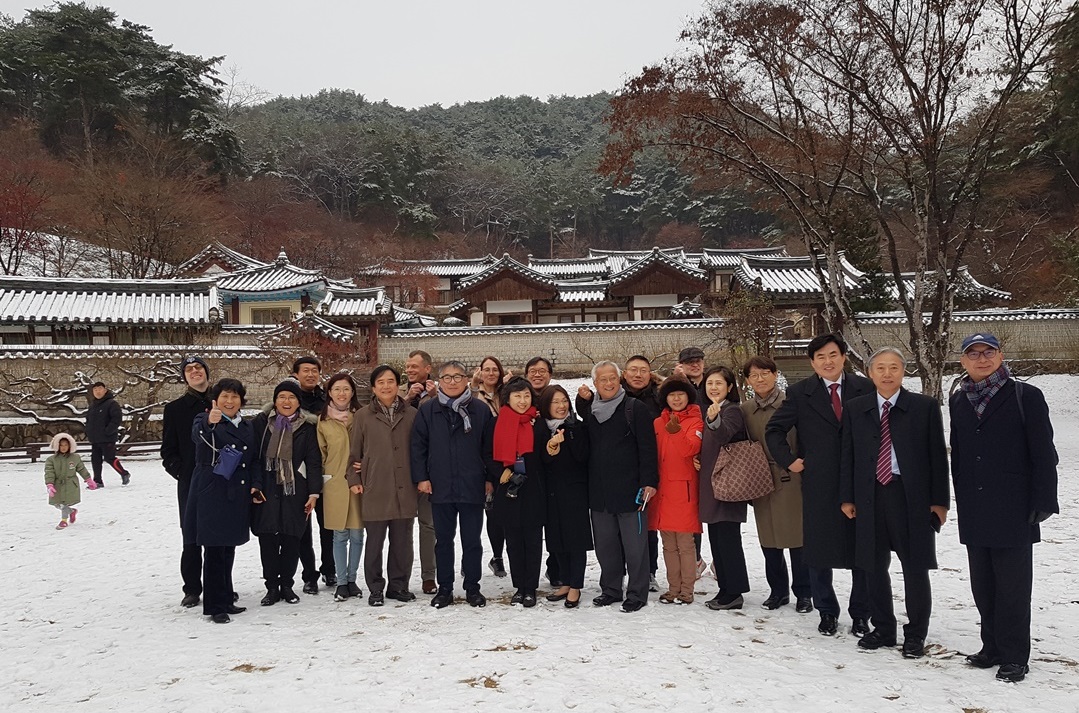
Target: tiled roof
x,y
987,315
788,276
355,302
658,257
559,328
967,287
216,250
619,260
46,299
591,291
124,351
506,263
571,267
687,310
439,267
278,276
731,257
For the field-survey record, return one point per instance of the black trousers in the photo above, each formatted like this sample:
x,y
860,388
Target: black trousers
x,y
496,535
280,554
780,581
892,533
1001,579
825,600
725,541
191,569
311,571
571,565
653,552
446,517
101,453
217,579
524,545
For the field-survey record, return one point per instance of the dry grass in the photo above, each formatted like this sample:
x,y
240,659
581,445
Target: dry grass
x,y
251,668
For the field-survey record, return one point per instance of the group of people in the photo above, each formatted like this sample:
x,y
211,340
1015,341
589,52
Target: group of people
x,y
860,469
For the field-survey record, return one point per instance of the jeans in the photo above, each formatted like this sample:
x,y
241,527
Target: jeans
x,y
347,546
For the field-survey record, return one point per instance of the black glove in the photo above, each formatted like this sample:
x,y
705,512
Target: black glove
x,y
1037,516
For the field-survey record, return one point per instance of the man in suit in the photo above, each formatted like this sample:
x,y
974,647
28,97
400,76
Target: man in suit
x,y
1004,468
894,485
815,407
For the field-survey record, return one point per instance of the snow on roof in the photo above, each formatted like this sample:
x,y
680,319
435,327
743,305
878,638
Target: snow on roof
x,y
506,263
355,302
570,267
557,328
658,257
277,276
711,258
788,275
216,251
984,315
590,291
439,267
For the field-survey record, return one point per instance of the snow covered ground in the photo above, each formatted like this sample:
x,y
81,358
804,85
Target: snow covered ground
x,y
90,620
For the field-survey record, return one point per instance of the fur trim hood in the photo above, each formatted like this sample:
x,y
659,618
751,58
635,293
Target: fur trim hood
x,y
54,444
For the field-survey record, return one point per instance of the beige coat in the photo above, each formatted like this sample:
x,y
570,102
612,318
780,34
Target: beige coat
x,y
778,514
386,475
341,508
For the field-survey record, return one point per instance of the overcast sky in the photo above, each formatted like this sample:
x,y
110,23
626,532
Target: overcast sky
x,y
418,52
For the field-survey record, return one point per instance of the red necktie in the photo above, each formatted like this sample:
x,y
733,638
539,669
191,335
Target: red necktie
x,y
884,458
837,405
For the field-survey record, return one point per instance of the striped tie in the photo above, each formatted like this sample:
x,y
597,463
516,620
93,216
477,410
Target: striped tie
x,y
884,458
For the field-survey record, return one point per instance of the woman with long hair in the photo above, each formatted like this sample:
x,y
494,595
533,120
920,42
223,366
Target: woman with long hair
x,y
340,506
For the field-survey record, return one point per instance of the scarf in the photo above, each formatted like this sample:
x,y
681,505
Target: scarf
x,y
340,415
767,400
513,434
391,410
459,404
980,392
603,410
202,396
279,450
553,424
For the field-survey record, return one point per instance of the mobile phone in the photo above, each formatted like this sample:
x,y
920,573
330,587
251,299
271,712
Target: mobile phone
x,y
259,496
934,521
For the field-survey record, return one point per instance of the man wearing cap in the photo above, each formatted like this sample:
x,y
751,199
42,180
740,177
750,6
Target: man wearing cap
x,y
178,458
690,367
1004,471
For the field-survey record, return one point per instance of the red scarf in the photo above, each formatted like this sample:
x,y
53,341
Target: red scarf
x,y
513,434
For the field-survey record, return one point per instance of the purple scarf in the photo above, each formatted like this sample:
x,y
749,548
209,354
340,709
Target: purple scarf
x,y
980,392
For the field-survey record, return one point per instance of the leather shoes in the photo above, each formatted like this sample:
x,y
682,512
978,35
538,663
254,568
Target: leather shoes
x,y
220,619
803,605
859,627
376,599
775,601
631,605
982,660
517,598
189,600
1012,672
572,603
876,640
402,596
289,596
310,587
233,609
442,599
476,599
913,648
605,600
555,597
529,600
828,625
272,597
235,597
721,603
429,586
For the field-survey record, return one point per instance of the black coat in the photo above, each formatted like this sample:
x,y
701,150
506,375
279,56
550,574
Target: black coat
x,y
569,524
529,508
829,535
284,513
1003,466
918,438
313,401
218,510
649,398
177,448
622,457
458,464
103,419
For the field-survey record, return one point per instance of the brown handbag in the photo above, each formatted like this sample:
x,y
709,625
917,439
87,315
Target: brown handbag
x,y
741,473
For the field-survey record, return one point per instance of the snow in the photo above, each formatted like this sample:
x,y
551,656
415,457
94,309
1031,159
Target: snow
x,y
91,616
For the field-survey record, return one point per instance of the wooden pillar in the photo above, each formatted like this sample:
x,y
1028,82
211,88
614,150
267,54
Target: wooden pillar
x,y
235,310
372,343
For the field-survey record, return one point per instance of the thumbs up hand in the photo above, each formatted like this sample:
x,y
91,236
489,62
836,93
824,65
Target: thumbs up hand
x,y
215,413
674,425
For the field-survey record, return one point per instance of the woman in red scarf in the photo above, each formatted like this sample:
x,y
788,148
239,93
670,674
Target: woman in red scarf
x,y
520,502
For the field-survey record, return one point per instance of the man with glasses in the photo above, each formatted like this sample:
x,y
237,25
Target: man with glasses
x,y
639,382
1004,471
690,367
452,462
538,371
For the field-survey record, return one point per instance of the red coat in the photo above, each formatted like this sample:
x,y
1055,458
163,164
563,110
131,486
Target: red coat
x,y
674,506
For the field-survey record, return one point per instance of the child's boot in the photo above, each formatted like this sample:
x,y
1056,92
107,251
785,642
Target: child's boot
x,y
62,525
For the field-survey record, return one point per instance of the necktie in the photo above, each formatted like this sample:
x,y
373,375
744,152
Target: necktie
x,y
837,405
884,458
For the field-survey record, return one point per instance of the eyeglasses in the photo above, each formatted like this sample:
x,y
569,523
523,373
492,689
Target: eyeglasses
x,y
757,375
975,354
538,372
451,378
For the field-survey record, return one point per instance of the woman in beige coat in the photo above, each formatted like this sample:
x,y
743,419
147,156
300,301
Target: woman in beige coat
x,y
381,442
340,506
778,514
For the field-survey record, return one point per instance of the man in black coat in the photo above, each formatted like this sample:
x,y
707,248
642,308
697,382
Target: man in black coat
x,y
815,407
103,420
178,458
307,372
894,485
420,388
641,383
690,367
1004,468
622,464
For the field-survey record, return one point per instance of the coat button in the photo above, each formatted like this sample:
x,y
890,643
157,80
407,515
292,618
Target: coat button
x,y
977,458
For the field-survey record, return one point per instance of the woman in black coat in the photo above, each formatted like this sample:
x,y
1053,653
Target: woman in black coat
x,y
285,487
217,516
564,453
520,500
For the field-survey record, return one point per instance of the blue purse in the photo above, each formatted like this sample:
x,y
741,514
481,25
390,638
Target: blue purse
x,y
228,460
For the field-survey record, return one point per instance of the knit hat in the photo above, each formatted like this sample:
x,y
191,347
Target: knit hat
x,y
290,386
192,359
676,383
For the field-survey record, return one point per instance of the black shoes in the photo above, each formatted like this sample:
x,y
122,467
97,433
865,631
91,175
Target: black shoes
x,y
496,567
354,590
876,640
913,648
631,605
341,594
289,596
217,618
376,599
402,596
605,600
475,599
724,601
775,601
233,609
804,605
330,580
443,598
518,597
982,660
272,597
556,597
829,624
859,627
310,587
1012,672
189,600
125,478
529,600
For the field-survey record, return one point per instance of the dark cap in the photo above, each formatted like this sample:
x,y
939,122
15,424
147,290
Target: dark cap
x,y
689,354
676,383
192,359
290,386
981,338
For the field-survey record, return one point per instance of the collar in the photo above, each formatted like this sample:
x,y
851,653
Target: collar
x,y
880,400
828,384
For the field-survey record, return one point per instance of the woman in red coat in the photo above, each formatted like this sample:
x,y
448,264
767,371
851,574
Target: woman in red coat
x,y
673,510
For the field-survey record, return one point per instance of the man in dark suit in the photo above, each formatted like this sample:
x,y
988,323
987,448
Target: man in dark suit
x,y
894,485
1004,468
815,407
